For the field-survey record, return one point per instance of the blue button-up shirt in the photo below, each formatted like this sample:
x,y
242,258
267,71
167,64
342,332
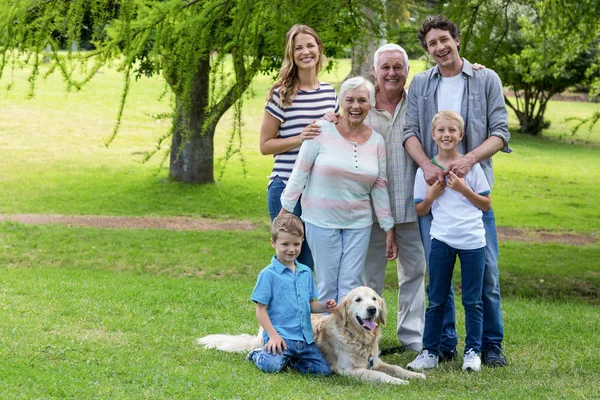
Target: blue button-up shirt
x,y
482,108
287,296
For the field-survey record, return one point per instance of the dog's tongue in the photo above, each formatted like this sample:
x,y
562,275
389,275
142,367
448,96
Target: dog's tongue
x,y
370,323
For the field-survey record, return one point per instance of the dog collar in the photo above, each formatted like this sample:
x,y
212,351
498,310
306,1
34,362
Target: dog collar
x,y
371,361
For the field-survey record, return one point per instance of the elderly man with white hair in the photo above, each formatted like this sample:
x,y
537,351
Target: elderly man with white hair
x,y
390,69
341,175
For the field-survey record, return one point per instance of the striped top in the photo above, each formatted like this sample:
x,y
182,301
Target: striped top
x,y
338,179
401,168
308,106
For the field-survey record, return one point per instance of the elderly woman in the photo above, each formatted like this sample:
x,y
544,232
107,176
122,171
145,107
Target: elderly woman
x,y
339,174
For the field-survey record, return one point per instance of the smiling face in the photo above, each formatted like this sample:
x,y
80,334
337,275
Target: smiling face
x,y
365,308
356,104
447,133
287,247
443,48
306,51
391,71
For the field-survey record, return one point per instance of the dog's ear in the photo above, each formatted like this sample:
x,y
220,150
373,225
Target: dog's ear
x,y
343,309
382,310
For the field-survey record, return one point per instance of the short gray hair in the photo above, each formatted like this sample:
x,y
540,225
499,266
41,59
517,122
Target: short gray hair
x,y
391,47
353,83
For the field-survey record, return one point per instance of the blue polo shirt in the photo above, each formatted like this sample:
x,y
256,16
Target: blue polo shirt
x,y
287,296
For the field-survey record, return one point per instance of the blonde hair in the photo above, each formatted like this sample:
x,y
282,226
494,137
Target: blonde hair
x,y
452,116
287,81
288,223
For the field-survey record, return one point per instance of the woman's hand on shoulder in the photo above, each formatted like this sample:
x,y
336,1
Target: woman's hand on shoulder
x,y
331,116
310,132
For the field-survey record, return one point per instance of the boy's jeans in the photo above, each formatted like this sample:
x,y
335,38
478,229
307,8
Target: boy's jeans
x,y
493,329
441,265
299,355
274,203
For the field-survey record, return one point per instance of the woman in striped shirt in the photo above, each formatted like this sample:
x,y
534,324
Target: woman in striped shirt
x,y
341,175
295,101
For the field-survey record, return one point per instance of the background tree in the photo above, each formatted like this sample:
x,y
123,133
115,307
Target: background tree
x,y
192,44
393,20
538,47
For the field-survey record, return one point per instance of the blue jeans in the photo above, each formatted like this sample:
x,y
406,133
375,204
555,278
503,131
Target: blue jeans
x,y
274,203
442,258
299,355
493,328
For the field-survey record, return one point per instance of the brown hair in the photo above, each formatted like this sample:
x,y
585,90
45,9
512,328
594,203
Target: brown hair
x,y
287,81
437,22
452,116
286,223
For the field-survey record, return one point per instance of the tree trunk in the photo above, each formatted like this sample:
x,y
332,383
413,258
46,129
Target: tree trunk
x,y
364,51
192,148
530,124
362,59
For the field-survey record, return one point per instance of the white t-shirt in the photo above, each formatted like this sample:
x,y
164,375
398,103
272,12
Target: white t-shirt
x,y
456,221
449,97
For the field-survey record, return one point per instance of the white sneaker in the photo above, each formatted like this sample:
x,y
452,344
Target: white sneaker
x,y
423,361
471,361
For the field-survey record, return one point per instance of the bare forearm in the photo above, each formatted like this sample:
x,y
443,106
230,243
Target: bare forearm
x,y
279,145
483,202
423,207
269,143
487,149
265,321
415,150
316,307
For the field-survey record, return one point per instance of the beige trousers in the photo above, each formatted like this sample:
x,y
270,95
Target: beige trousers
x,y
411,273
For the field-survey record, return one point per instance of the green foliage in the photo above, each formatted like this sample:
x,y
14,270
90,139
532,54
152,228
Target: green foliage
x,y
404,24
184,42
538,47
591,121
114,313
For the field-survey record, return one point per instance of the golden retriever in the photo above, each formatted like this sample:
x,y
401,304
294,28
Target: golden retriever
x,y
348,338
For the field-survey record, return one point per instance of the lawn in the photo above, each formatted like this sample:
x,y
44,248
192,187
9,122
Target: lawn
x,y
114,313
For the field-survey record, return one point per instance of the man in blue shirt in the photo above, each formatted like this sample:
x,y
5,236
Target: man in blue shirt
x,y
284,295
478,97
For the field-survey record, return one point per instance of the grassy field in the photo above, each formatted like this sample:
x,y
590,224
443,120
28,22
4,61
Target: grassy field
x,y
114,313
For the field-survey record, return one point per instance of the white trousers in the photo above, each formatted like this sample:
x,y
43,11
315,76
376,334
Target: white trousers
x,y
339,256
411,274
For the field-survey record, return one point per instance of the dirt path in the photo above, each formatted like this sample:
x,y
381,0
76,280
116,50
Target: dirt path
x,y
202,224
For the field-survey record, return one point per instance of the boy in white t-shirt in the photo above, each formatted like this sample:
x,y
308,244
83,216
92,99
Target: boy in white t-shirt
x,y
456,230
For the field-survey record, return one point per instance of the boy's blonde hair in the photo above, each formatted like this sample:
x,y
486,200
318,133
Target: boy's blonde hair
x,y
286,223
452,116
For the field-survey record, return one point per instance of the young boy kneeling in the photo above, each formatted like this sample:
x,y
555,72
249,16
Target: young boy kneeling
x,y
284,295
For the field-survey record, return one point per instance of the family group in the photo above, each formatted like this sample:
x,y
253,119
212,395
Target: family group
x,y
377,173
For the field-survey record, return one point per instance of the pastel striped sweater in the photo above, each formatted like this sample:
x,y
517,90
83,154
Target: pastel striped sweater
x,y
338,179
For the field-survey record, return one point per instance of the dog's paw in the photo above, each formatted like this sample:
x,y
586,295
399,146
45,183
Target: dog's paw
x,y
419,376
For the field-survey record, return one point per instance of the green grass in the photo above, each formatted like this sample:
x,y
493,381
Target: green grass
x,y
114,313
544,184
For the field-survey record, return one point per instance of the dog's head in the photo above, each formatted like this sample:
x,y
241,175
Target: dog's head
x,y
363,307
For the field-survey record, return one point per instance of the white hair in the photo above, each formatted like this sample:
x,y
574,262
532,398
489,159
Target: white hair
x,y
391,47
353,83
